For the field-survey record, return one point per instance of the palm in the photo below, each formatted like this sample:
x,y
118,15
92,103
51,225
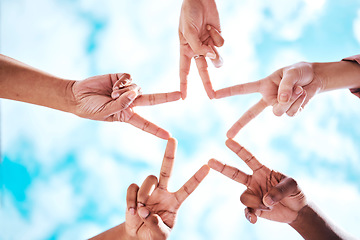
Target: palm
x,y
261,182
196,15
100,98
94,101
161,204
164,204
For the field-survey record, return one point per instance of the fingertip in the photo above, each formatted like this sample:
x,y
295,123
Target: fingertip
x,y
210,54
283,98
298,90
212,162
172,141
268,201
163,134
230,143
183,94
143,212
132,95
132,211
215,164
211,94
203,172
115,94
230,134
277,112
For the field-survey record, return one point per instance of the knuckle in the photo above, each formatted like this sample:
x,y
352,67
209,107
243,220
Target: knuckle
x,y
243,199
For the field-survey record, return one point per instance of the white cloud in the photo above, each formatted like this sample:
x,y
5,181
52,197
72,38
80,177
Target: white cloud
x,y
137,39
356,27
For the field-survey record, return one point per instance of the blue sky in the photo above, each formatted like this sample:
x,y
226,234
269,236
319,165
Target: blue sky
x,y
66,178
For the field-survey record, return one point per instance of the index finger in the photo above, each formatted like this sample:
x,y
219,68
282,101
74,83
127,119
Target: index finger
x,y
167,164
246,88
139,122
244,154
191,184
156,98
204,74
185,63
229,171
246,118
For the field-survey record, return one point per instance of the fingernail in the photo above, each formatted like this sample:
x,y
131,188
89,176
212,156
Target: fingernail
x,y
211,55
139,205
116,95
269,201
132,95
298,90
249,219
208,27
132,211
143,212
263,207
284,97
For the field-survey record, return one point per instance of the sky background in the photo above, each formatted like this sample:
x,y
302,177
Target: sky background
x,y
63,177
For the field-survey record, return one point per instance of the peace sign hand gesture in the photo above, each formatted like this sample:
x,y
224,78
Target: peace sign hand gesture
x,y
269,194
199,34
152,209
112,97
287,90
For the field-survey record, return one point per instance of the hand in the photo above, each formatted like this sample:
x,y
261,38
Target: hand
x,y
152,209
269,194
100,98
199,33
288,90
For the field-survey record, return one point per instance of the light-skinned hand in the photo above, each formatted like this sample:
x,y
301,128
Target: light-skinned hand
x,y
199,33
287,90
152,209
103,98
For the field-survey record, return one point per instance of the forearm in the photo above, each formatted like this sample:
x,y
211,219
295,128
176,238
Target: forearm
x,y
21,82
115,233
310,224
337,75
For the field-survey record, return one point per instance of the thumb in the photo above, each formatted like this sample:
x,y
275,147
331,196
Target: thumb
x,y
157,227
122,102
287,84
191,36
285,188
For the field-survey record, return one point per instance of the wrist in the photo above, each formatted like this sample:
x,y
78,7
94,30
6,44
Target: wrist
x,y
337,75
116,233
69,97
320,76
311,224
